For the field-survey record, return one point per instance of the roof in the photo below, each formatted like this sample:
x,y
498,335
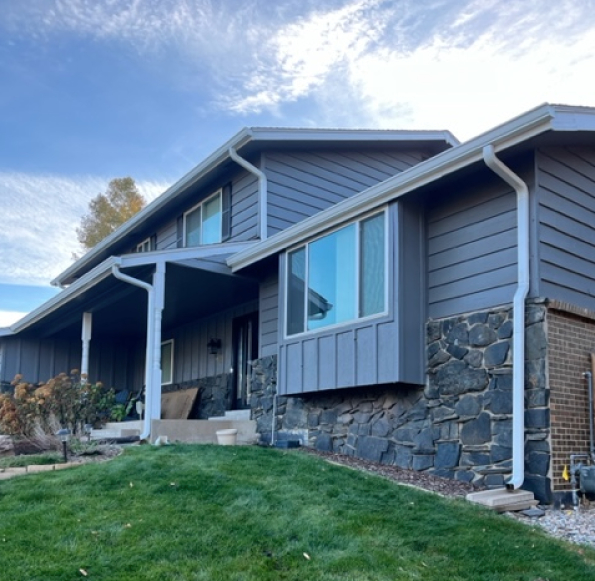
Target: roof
x,y
247,141
542,119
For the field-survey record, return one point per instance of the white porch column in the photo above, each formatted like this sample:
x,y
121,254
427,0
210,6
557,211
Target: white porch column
x,y
155,316
86,339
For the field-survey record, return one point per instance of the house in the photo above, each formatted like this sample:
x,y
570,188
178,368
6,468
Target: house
x,y
366,292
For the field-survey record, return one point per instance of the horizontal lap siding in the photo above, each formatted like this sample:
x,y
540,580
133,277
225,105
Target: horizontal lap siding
x,y
167,236
301,184
566,195
269,315
472,252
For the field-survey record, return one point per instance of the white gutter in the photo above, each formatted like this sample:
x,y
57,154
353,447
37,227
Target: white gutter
x,y
149,349
262,192
518,341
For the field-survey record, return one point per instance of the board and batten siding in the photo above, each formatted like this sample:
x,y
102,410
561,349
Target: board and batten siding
x,y
269,315
566,211
379,350
472,255
191,357
301,184
39,360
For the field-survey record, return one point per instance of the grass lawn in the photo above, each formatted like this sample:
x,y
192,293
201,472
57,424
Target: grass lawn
x,y
245,513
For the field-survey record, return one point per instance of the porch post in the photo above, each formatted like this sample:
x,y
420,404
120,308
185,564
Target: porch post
x,y
86,339
154,406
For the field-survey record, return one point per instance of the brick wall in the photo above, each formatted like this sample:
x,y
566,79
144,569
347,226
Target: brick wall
x,y
571,340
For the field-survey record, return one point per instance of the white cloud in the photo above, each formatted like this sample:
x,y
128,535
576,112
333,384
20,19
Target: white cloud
x,y
40,216
7,318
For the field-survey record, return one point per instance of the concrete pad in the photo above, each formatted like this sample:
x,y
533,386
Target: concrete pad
x,y
39,468
501,498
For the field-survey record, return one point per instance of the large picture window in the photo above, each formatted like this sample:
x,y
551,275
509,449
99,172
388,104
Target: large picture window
x,y
167,362
337,278
203,223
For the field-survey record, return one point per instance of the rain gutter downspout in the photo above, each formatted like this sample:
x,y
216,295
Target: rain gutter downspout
x,y
262,191
518,353
153,350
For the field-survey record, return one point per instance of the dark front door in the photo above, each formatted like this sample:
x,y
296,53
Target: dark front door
x,y
245,350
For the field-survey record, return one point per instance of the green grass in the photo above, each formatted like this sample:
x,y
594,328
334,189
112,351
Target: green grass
x,y
28,459
242,513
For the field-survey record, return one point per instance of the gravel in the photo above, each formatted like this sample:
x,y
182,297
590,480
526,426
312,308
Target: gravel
x,y
575,526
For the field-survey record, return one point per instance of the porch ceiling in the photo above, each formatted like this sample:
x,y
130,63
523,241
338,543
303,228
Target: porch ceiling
x,y
120,309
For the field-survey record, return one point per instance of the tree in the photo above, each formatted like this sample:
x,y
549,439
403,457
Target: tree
x,y
121,201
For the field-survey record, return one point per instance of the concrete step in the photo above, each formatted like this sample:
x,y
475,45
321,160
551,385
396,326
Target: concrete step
x,y
203,431
233,415
113,433
502,500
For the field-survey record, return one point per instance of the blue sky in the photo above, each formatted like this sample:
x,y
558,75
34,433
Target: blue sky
x,y
96,89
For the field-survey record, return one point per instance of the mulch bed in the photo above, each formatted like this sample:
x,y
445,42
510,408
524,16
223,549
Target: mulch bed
x,y
444,486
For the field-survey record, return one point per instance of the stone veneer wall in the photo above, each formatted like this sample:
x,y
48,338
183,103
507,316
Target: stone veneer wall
x,y
571,335
214,395
458,426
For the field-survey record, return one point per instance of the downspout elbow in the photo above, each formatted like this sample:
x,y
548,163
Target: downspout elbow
x,y
523,285
262,191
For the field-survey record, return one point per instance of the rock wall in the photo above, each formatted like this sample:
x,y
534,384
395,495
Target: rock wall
x,y
214,395
458,426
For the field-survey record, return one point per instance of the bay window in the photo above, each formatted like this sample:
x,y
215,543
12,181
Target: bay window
x,y
337,278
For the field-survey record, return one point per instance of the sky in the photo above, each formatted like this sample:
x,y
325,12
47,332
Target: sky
x,y
91,90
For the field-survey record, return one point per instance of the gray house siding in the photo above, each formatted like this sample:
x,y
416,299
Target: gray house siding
x,y
301,184
269,315
191,357
386,349
471,251
566,215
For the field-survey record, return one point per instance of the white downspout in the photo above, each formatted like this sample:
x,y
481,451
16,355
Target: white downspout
x,y
518,353
86,340
153,356
262,191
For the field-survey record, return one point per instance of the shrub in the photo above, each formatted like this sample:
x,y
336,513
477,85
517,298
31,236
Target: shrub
x,y
64,400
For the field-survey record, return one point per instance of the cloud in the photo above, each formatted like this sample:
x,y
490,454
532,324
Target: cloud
x,y
40,216
7,318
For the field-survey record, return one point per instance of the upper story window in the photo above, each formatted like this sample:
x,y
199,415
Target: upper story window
x,y
203,223
144,246
337,278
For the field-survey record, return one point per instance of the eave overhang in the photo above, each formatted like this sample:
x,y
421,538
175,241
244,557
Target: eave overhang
x,y
249,140
520,129
211,258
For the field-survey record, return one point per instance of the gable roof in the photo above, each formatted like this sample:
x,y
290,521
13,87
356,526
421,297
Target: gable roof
x,y
537,121
248,141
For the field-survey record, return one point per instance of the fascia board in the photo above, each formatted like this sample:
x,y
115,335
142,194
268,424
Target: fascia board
x,y
502,137
6,332
215,159
87,281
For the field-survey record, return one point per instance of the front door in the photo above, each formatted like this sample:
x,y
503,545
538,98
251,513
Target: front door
x,y
245,350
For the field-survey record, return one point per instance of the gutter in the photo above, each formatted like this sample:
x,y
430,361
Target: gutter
x,y
530,124
523,276
146,433
262,191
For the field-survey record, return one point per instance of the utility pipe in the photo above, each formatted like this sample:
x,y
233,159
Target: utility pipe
x,y
523,282
151,352
262,191
589,376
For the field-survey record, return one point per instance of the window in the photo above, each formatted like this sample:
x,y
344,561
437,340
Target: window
x,y
167,362
144,246
337,278
203,223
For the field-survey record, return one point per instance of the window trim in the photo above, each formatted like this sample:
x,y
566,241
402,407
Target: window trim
x,y
200,204
140,245
358,319
171,378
